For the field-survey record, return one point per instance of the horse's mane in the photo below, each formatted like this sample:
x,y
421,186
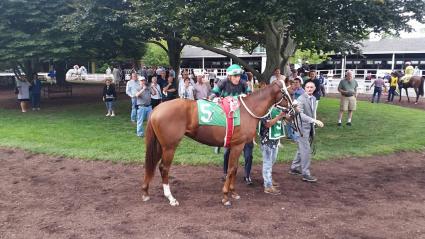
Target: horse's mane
x,y
262,90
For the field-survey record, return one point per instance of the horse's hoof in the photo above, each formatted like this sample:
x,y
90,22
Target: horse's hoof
x,y
227,203
145,198
174,203
236,196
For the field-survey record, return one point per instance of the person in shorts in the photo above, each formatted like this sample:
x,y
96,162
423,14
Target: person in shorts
x,y
23,92
348,90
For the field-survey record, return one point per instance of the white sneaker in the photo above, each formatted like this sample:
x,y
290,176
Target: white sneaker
x,y
33,109
38,108
108,114
113,114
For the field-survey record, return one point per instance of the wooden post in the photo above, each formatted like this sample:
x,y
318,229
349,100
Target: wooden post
x,y
93,67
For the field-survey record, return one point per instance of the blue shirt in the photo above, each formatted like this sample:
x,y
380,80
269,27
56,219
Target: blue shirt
x,y
36,87
298,92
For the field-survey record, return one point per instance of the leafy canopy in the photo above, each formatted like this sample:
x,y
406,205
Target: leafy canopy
x,y
29,30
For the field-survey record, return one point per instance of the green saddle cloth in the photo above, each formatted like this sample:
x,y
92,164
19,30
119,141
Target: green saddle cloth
x,y
210,113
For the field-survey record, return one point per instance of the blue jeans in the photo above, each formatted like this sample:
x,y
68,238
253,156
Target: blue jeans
x,y
377,91
109,105
35,100
269,158
247,154
142,113
133,115
391,93
289,131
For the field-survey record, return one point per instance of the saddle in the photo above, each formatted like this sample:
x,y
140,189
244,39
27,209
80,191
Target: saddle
x,y
405,79
222,112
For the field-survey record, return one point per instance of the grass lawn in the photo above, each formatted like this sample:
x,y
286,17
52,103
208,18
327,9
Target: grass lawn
x,y
84,132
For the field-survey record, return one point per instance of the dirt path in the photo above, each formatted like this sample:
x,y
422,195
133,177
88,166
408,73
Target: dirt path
x,y
81,94
51,197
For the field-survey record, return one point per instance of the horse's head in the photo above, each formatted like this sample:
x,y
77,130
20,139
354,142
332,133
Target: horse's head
x,y
283,98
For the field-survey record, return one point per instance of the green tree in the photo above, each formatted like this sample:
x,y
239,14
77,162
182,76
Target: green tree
x,y
103,32
284,26
302,56
165,23
29,34
281,26
155,55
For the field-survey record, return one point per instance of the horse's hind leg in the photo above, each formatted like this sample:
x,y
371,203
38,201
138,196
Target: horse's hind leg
x,y
164,168
145,188
417,95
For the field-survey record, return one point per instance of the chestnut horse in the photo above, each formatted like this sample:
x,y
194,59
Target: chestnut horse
x,y
415,82
170,121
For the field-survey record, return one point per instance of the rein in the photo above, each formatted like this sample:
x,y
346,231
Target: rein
x,y
250,112
285,95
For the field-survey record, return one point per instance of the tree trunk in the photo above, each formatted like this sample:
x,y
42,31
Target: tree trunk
x,y
174,54
286,51
60,68
279,47
274,41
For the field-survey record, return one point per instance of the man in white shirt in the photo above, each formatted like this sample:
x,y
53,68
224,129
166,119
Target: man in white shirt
x,y
132,87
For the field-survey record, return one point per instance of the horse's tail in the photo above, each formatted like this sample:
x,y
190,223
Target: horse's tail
x,y
421,86
153,151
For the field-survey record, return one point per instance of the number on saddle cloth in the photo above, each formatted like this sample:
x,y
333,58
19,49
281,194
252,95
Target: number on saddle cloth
x,y
211,113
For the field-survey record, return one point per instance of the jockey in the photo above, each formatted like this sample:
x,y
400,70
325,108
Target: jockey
x,y
408,72
233,86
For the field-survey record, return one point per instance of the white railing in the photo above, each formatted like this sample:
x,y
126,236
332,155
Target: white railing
x,y
218,72
358,73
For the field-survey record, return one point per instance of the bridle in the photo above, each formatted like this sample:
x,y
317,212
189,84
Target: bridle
x,y
291,110
285,95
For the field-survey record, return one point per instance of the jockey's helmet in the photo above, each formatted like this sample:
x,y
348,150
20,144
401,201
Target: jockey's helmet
x,y
234,70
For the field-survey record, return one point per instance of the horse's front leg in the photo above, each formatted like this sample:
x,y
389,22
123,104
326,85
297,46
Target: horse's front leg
x,y
407,95
229,184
